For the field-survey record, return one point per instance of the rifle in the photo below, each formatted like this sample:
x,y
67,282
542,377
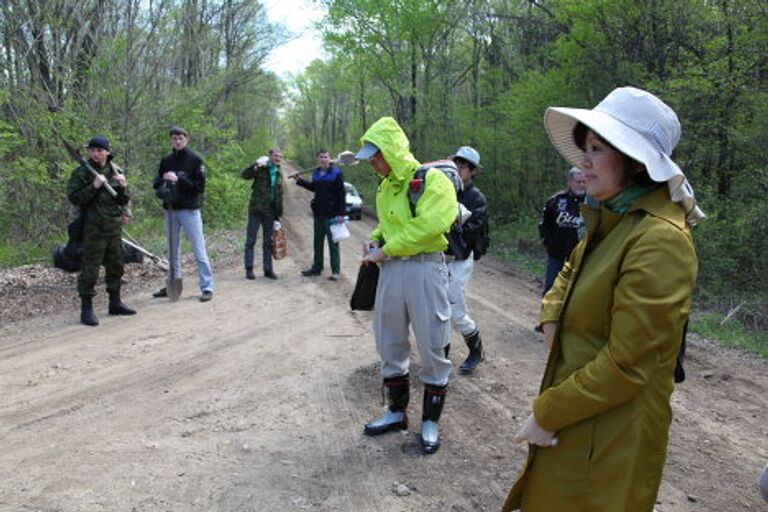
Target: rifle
x,y
74,153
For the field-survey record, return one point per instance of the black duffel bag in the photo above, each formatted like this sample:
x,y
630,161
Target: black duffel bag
x,y
364,295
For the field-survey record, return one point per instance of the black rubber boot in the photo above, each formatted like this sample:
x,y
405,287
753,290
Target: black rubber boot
x,y
434,399
476,354
87,316
116,306
395,417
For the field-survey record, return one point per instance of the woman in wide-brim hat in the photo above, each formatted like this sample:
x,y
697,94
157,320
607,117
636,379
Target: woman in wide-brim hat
x,y
616,315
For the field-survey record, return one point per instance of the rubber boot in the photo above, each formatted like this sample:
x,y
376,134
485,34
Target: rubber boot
x,y
394,417
434,399
87,316
476,354
116,306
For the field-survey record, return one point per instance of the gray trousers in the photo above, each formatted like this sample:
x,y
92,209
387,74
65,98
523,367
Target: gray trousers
x,y
413,292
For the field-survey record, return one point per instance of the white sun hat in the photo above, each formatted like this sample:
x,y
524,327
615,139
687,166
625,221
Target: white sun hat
x,y
638,124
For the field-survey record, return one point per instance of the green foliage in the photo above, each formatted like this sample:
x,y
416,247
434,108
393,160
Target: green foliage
x,y
24,253
130,78
731,332
487,81
517,242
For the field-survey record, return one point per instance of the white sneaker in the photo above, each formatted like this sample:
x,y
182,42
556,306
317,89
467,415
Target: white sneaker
x,y
334,277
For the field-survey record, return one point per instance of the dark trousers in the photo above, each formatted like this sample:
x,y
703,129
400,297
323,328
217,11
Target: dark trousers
x,y
553,268
98,251
322,230
266,221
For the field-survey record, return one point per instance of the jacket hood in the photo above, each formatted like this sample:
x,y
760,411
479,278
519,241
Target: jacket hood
x,y
387,135
659,204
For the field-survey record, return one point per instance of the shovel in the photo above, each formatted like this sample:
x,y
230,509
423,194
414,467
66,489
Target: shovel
x,y
173,284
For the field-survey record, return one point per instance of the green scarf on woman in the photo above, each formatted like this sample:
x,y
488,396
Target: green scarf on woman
x,y
622,202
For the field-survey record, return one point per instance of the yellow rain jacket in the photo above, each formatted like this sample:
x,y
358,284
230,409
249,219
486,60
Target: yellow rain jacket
x,y
621,301
436,210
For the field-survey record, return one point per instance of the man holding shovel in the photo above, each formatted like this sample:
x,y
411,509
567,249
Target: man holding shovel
x,y
100,190
180,183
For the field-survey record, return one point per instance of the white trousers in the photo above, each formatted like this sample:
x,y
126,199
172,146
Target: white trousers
x,y
459,273
415,293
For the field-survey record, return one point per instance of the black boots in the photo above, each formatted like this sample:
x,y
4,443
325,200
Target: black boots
x,y
87,316
116,306
394,417
249,274
476,354
434,399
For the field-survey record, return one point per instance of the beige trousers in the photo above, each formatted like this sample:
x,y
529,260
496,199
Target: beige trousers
x,y
413,292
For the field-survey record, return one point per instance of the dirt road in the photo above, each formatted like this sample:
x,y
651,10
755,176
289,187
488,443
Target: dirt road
x,y
256,401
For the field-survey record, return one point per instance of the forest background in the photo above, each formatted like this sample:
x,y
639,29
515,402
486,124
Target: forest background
x,y
452,72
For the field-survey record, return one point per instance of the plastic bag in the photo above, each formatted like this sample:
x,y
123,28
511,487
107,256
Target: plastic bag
x,y
339,231
279,242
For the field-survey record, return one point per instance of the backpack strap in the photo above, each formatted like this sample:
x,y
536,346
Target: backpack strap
x,y
416,187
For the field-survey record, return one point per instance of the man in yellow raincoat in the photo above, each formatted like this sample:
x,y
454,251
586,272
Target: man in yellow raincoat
x,y
413,282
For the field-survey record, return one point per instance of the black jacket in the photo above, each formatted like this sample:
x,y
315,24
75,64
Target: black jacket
x,y
459,238
330,198
189,167
560,222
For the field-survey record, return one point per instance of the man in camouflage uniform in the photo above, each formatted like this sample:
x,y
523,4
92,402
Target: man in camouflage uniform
x,y
102,229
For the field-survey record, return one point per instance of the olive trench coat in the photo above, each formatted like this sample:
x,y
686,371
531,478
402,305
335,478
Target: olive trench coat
x,y
621,303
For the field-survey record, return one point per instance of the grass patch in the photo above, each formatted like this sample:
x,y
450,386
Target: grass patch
x,y
732,333
25,253
517,243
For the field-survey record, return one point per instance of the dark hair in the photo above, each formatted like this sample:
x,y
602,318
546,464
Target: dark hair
x,y
458,159
178,130
634,173
321,151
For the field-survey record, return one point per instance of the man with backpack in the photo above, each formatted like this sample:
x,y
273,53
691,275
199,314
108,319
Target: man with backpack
x,y
467,242
413,280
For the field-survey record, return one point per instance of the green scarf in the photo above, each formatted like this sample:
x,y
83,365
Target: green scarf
x,y
273,171
622,202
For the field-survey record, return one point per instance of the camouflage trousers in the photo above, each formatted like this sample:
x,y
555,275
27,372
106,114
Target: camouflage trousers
x,y
98,251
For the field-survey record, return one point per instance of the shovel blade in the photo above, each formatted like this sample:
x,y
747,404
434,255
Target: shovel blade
x,y
174,287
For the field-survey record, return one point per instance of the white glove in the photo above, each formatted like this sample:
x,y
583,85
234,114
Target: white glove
x,y
532,432
262,161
